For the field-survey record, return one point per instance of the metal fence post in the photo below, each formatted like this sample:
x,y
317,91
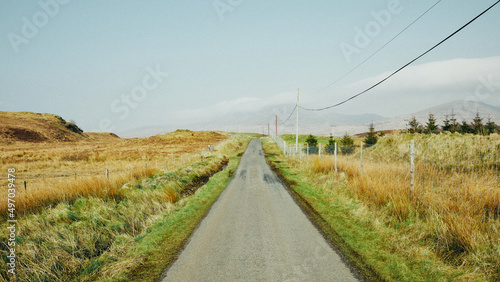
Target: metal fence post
x,y
361,166
412,168
335,156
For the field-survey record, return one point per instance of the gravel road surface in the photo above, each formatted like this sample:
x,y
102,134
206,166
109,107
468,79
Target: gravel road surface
x,y
256,232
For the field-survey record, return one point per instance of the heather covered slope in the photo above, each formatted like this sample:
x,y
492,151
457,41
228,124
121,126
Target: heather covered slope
x,y
37,127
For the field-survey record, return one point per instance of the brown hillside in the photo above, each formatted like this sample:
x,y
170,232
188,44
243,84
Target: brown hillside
x,y
37,127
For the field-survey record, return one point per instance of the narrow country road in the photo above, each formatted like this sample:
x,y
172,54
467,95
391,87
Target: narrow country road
x,y
256,232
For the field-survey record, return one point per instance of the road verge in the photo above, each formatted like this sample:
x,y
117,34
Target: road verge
x,y
377,250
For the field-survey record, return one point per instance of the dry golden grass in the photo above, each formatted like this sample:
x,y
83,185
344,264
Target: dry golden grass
x,y
456,194
36,127
65,171
99,238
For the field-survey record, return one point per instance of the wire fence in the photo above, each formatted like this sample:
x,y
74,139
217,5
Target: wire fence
x,y
431,170
170,162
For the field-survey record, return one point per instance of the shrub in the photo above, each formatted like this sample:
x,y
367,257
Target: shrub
x,y
347,147
330,148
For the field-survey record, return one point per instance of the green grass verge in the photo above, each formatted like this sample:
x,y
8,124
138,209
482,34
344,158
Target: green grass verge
x,y
165,239
132,237
378,250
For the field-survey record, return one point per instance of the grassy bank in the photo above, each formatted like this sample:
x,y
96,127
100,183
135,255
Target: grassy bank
x,y
130,237
65,171
374,235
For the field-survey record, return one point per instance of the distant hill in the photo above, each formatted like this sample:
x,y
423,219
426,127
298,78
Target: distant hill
x,y
38,127
463,111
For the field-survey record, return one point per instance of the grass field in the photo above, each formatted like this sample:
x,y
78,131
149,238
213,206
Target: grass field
x,y
89,228
65,171
454,211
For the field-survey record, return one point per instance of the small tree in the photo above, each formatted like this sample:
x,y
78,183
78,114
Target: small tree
x,y
347,140
330,148
413,125
465,128
446,123
313,144
371,139
490,127
347,145
454,125
311,140
477,125
431,126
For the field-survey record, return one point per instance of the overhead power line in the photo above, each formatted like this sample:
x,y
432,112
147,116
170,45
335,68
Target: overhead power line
x,y
382,47
290,115
406,65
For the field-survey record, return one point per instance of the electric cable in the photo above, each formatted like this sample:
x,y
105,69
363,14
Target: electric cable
x,y
406,65
383,46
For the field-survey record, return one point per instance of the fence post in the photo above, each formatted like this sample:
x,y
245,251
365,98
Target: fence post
x,y
25,185
284,147
319,151
335,156
107,174
412,168
361,166
300,148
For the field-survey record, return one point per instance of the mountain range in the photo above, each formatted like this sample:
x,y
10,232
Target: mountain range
x,y
325,122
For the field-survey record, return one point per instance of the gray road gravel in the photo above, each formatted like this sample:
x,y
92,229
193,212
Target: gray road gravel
x,y
256,232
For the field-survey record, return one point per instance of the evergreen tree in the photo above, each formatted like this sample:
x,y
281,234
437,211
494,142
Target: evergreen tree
x,y
347,145
347,140
413,125
313,144
454,126
477,125
431,126
446,123
311,140
331,141
371,139
465,128
490,127
330,148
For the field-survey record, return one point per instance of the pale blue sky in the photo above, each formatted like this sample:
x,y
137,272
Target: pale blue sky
x,y
88,55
